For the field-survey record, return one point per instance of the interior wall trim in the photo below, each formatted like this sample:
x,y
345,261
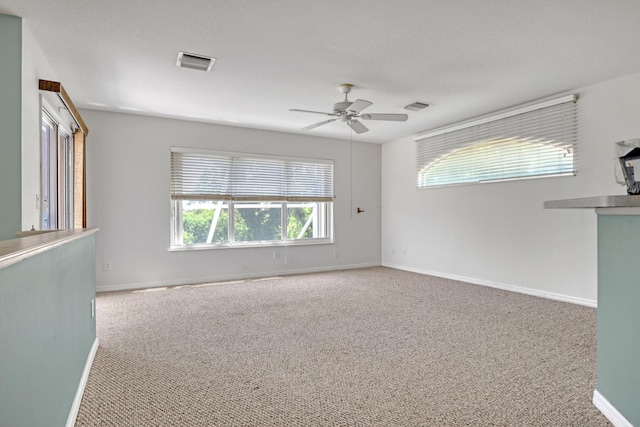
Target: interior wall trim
x,y
503,286
75,406
227,277
609,411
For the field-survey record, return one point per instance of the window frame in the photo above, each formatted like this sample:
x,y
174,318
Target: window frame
x,y
324,222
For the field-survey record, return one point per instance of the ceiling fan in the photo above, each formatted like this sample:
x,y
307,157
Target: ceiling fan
x,y
349,112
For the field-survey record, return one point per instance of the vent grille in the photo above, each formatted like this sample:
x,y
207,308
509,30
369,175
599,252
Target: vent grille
x,y
416,106
195,62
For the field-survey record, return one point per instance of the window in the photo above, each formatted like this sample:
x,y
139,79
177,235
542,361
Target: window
x,y
57,177
62,160
222,199
529,142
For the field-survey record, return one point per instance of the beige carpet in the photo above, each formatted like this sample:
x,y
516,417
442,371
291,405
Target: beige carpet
x,y
369,347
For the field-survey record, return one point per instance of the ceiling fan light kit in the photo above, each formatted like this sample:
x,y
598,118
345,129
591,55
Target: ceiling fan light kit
x,y
349,112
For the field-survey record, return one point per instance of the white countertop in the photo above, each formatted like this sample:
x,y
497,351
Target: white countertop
x,y
15,250
595,202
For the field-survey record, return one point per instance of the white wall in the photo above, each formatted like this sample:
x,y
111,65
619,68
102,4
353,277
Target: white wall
x,y
128,159
34,67
498,234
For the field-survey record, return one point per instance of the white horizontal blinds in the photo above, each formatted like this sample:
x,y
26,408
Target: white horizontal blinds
x,y
201,176
538,142
309,182
258,179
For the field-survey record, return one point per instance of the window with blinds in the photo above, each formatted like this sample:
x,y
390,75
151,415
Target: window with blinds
x,y
530,142
224,199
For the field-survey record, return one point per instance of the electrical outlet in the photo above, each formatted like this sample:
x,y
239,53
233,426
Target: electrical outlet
x,y
93,308
276,255
107,265
404,252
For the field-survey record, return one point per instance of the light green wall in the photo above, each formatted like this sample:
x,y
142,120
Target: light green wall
x,y
618,313
46,333
10,124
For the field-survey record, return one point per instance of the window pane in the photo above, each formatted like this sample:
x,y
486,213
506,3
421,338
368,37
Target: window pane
x,y
65,181
68,210
257,221
306,221
49,171
204,221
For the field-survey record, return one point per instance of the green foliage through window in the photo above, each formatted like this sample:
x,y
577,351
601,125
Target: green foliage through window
x,y
207,222
197,224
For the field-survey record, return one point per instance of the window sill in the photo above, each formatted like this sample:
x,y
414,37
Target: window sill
x,y
202,247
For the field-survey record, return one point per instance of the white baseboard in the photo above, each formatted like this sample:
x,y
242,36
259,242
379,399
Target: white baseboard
x,y
229,277
503,286
75,406
609,411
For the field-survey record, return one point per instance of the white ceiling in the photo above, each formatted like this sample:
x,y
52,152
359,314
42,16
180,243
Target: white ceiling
x,y
465,57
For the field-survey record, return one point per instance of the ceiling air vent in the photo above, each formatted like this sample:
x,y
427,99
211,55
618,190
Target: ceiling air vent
x,y
196,62
416,106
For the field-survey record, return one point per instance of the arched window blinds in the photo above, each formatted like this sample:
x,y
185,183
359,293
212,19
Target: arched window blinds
x,y
200,175
529,142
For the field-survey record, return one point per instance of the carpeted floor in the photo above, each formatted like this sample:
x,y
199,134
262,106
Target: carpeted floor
x,y
369,347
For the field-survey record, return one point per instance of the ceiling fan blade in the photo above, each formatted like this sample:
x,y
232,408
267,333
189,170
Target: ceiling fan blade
x,y
358,105
390,117
309,111
357,126
315,125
